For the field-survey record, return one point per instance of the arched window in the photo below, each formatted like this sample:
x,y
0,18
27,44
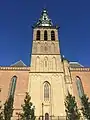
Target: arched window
x,y
46,116
13,85
46,91
45,35
79,87
52,35
37,63
38,35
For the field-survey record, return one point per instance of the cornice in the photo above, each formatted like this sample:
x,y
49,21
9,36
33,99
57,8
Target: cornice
x,y
15,68
45,54
80,69
46,72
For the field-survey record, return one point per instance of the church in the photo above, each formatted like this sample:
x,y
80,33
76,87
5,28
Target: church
x,y
48,78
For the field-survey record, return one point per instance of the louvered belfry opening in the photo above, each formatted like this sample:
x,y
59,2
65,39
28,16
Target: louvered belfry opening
x,y
45,35
52,35
38,35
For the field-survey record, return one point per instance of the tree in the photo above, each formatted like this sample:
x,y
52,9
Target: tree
x,y
28,109
1,113
71,110
8,108
85,107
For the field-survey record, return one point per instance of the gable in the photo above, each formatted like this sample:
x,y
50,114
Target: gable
x,y
19,63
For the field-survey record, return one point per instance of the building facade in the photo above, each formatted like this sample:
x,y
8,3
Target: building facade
x,y
49,77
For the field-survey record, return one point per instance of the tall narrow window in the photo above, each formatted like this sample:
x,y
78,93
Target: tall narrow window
x,y
46,116
52,35
38,35
37,63
13,85
45,35
79,87
46,91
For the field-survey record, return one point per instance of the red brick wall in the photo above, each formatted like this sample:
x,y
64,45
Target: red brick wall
x,y
21,85
85,78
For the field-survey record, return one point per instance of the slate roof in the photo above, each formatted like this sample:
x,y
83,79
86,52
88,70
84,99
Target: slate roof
x,y
75,65
19,63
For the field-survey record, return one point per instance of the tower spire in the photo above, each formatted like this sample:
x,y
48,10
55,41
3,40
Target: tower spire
x,y
44,19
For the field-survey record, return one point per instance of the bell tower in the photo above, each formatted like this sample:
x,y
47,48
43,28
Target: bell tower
x,y
45,51
46,79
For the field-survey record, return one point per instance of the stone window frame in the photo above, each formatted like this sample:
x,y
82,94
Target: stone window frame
x,y
45,35
53,35
38,35
47,87
13,85
79,86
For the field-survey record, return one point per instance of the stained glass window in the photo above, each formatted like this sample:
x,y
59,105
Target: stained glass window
x,y
46,91
79,87
13,85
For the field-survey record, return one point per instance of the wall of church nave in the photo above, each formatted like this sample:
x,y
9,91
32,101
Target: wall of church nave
x,y
47,92
46,63
20,88
85,80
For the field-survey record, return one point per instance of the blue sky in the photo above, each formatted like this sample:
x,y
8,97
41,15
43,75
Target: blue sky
x,y
17,17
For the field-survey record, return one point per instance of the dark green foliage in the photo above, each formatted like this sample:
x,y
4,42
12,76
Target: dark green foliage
x,y
8,108
71,110
1,113
85,107
28,109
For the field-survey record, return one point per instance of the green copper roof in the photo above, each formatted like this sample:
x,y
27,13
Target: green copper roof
x,y
44,19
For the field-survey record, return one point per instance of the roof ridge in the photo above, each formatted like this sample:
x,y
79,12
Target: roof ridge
x,y
77,63
20,61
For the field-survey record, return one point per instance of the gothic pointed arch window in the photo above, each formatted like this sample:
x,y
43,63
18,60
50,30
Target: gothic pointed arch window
x,y
79,86
46,116
52,35
45,35
13,85
46,91
38,35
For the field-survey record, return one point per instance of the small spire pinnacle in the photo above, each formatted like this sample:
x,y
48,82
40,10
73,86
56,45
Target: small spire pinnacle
x,y
63,56
44,19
